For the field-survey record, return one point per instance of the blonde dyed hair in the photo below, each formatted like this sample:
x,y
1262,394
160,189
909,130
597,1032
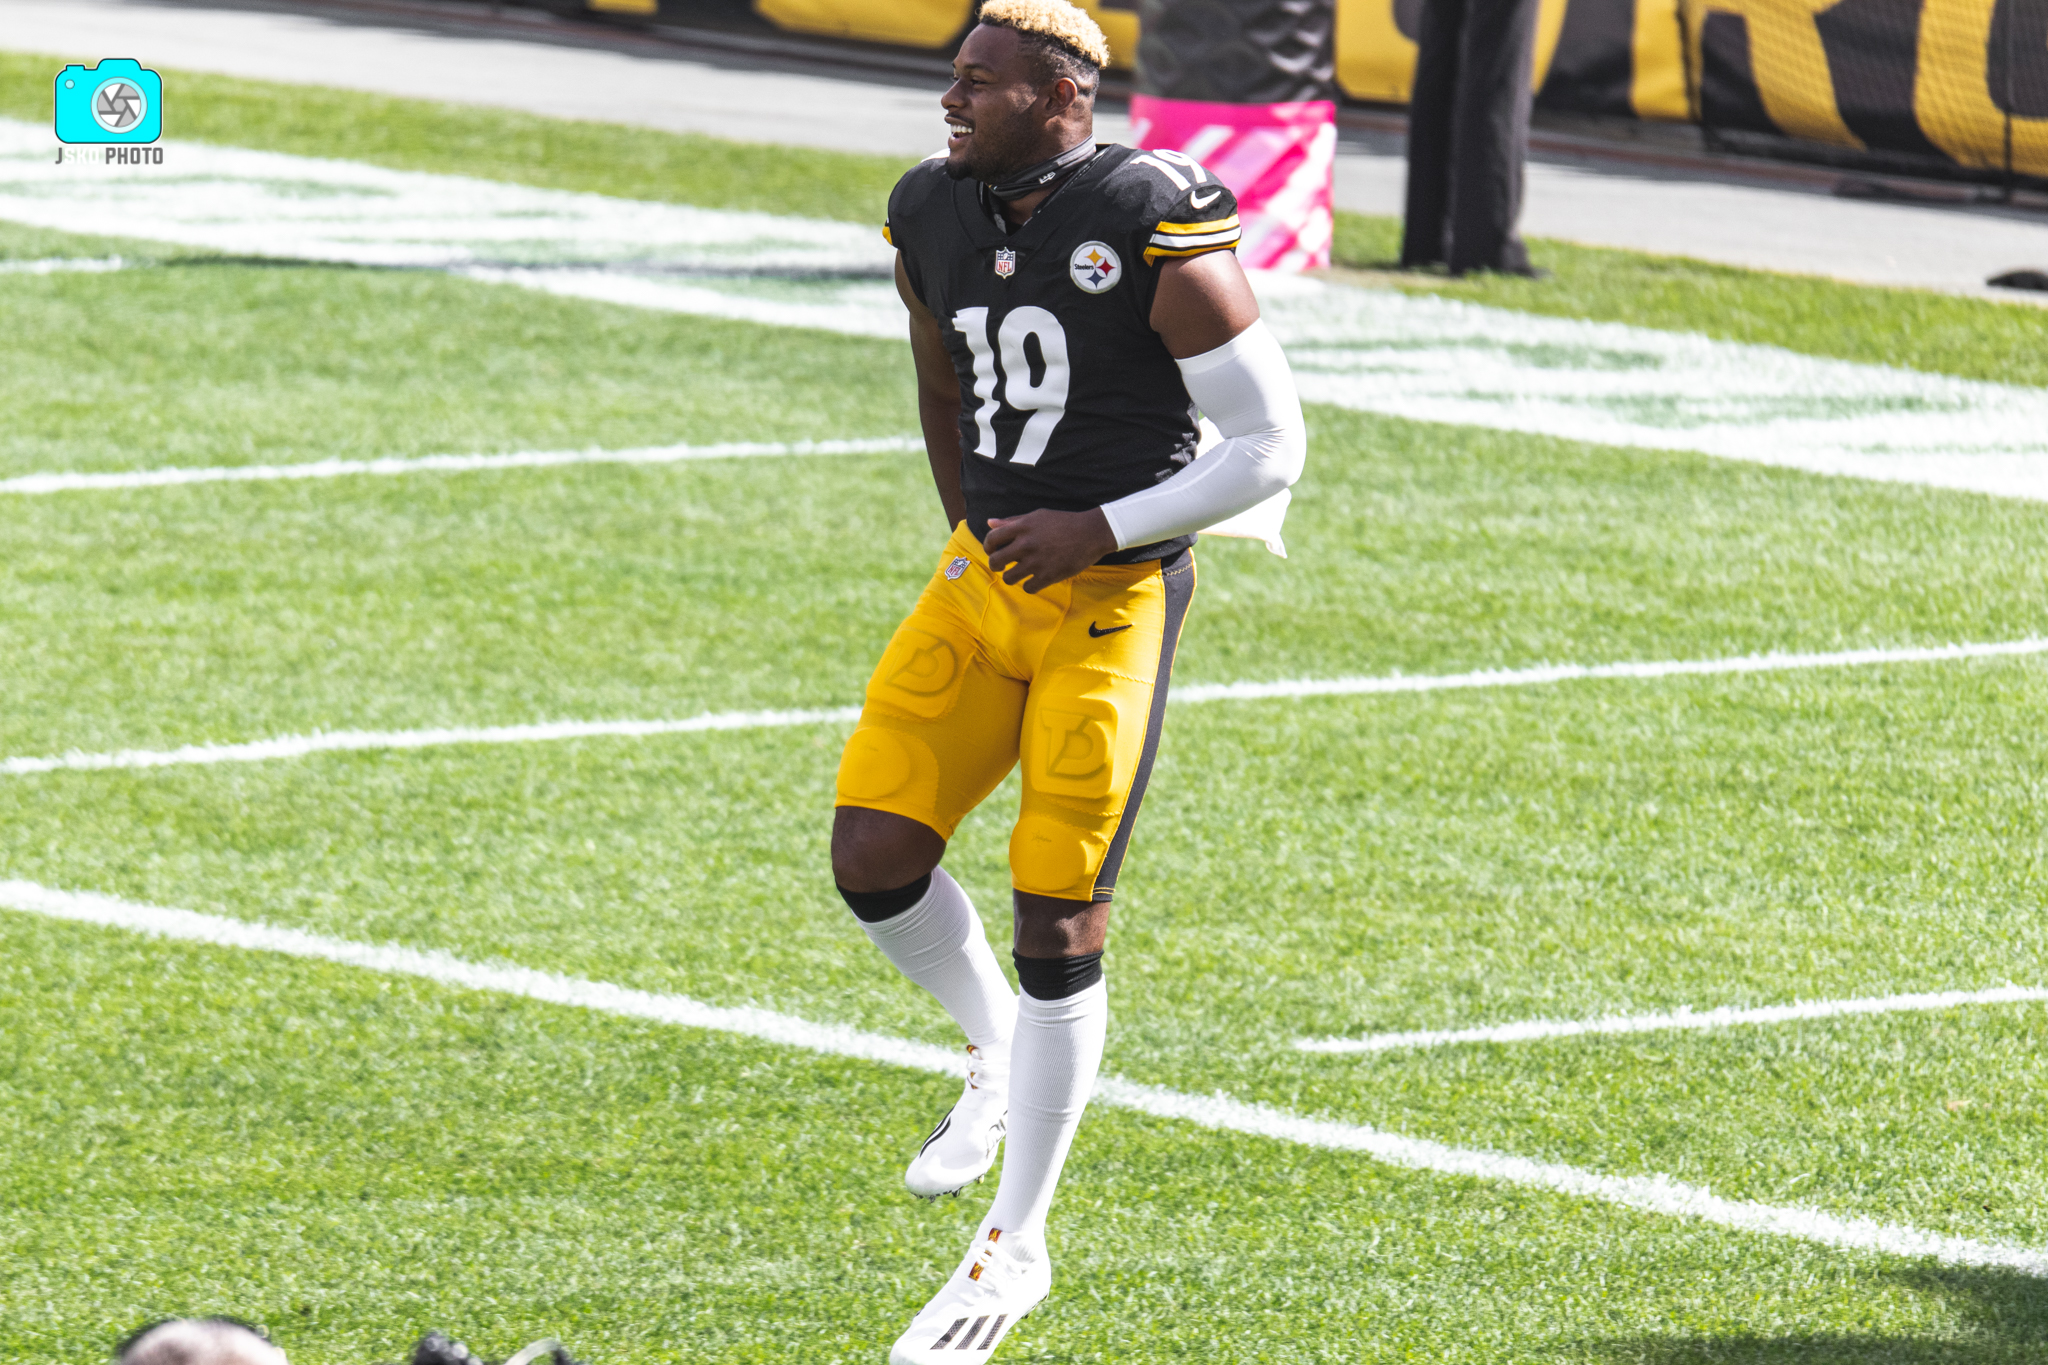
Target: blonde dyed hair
x,y
1058,22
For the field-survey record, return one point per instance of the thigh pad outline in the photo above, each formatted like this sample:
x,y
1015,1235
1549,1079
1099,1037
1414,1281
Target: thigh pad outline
x,y
1085,732
922,669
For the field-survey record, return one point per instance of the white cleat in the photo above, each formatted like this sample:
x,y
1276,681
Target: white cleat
x,y
1004,1277
963,1146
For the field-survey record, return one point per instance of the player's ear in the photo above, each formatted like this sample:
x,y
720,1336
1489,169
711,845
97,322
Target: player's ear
x,y
1063,94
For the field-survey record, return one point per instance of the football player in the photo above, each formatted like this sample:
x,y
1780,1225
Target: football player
x,y
1072,307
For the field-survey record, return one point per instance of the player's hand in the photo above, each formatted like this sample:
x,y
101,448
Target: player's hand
x,y
1044,547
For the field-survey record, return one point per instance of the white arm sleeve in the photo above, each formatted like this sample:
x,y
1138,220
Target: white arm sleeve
x,y
1246,389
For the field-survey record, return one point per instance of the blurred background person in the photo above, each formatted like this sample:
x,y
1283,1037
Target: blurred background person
x,y
199,1341
1468,135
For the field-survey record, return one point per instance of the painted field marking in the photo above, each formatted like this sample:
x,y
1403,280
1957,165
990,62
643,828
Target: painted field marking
x,y
858,308
298,746
341,741
447,464
64,265
1557,673
275,205
1654,1194
1727,1016
1371,350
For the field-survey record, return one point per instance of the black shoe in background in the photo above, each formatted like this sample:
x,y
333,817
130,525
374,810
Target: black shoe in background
x,y
436,1349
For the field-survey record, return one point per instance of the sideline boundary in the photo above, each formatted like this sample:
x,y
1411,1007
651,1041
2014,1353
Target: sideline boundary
x,y
1655,1194
298,746
1685,1017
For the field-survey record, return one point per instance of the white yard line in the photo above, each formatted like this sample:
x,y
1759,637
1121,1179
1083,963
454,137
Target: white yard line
x,y
1655,1194
64,265
1556,673
298,746
1727,1016
445,464
337,741
190,926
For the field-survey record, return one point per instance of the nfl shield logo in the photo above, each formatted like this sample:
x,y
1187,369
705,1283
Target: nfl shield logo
x,y
957,567
1006,262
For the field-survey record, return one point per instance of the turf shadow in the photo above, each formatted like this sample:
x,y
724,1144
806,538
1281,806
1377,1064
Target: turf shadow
x,y
2003,1320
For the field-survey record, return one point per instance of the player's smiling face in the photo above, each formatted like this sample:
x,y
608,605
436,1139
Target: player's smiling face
x,y
994,110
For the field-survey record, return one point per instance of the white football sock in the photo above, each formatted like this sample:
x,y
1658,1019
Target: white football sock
x,y
1053,1061
939,944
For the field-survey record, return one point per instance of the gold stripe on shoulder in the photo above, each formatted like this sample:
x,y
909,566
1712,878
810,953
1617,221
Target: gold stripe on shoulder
x,y
1153,253
885,235
1214,225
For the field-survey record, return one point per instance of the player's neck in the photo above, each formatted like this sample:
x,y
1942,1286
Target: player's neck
x,y
1070,152
1018,211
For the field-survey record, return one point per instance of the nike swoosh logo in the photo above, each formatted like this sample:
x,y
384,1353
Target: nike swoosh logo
x,y
1098,634
1202,203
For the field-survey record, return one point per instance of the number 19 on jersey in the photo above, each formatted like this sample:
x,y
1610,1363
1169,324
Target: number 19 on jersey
x,y
1035,385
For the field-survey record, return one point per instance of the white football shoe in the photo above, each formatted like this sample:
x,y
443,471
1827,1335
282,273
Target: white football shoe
x,y
963,1146
1004,1277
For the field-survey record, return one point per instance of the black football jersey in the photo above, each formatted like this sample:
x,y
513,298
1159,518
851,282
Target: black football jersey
x,y
1068,398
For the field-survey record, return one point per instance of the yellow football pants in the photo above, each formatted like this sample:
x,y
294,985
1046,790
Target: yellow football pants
x,y
1071,680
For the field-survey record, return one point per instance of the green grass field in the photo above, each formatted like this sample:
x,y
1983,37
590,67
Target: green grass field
x,y
354,1158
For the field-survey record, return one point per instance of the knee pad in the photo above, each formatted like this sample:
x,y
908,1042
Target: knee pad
x,y
1049,857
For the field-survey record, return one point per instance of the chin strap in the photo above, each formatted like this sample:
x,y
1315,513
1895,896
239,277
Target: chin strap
x,y
1043,174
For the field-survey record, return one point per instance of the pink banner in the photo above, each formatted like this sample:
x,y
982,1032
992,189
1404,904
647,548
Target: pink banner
x,y
1276,158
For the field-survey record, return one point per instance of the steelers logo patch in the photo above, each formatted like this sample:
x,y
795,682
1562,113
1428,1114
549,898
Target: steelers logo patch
x,y
1095,267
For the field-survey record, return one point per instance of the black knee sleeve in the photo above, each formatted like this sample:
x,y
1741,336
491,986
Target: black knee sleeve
x,y
1056,978
872,907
